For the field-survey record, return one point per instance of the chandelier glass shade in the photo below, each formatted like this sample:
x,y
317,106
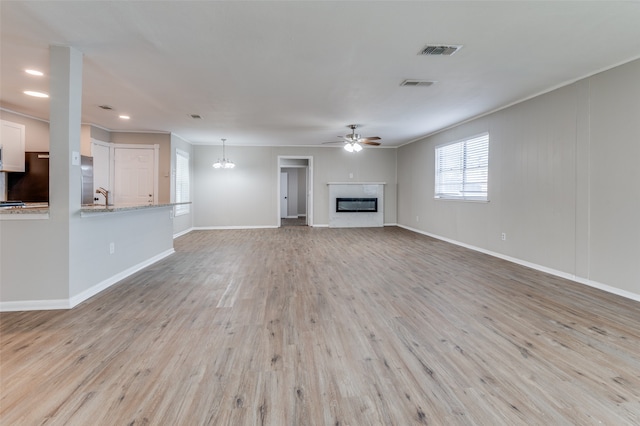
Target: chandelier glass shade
x,y
225,163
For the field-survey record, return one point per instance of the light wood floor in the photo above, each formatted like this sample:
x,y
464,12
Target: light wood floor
x,y
304,326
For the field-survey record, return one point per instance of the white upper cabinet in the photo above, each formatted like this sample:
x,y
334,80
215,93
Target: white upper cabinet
x,y
12,145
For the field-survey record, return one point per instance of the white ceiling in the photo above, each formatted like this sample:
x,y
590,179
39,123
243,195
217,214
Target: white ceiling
x,y
298,72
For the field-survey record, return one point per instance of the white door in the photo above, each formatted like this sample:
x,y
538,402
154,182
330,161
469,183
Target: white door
x,y
134,176
101,168
284,195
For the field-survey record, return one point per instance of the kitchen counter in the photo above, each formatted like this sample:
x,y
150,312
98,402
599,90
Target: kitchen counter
x,y
41,210
28,211
101,208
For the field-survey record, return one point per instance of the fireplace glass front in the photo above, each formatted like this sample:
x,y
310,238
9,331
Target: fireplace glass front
x,y
356,205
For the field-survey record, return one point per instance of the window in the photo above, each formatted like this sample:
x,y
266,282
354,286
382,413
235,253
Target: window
x,y
182,182
462,169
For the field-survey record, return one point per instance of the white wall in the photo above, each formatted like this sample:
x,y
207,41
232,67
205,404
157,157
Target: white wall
x,y
30,263
552,162
613,186
137,235
244,196
247,195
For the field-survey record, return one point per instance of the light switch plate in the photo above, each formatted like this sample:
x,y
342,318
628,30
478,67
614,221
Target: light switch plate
x,y
75,158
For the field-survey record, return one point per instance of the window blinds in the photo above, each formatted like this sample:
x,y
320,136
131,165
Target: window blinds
x,y
462,169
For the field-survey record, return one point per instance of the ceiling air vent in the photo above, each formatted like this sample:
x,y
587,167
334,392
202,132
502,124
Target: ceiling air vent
x,y
195,116
107,107
440,50
417,83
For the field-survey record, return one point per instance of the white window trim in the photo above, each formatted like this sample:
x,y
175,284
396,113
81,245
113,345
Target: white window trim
x,y
484,198
182,209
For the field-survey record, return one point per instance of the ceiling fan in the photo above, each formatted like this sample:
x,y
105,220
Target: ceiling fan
x,y
353,142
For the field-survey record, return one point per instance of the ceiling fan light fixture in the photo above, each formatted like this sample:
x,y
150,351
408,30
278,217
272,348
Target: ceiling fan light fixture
x,y
353,147
353,141
224,163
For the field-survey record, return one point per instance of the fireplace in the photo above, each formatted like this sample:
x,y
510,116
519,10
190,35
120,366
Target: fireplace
x,y
356,205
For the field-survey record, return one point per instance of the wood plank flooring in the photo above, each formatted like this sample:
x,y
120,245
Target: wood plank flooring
x,y
304,326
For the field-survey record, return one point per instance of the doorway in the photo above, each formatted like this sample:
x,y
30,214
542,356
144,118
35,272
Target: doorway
x,y
129,172
295,191
134,177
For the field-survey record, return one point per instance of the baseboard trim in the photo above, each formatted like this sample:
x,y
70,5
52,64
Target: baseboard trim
x,y
557,273
181,233
608,288
34,305
47,305
214,228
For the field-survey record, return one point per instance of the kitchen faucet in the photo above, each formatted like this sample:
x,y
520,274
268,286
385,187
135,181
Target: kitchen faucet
x,y
104,192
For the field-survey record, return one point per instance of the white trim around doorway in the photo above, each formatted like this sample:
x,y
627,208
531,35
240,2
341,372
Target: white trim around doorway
x,y
309,168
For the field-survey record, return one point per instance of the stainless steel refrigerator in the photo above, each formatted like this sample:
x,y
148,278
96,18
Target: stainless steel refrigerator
x,y
86,164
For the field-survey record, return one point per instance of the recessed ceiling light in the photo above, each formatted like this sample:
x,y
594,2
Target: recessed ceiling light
x,y
34,72
124,117
36,94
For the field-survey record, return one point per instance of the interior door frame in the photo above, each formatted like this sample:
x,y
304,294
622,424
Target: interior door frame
x,y
309,168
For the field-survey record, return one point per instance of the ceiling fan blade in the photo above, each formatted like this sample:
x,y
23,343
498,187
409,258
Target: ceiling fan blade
x,y
324,143
368,142
373,138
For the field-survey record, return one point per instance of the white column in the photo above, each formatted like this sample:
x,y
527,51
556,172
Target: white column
x,y
65,109
65,103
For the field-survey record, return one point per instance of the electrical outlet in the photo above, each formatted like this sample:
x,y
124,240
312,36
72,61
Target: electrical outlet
x,y
350,175
112,248
504,236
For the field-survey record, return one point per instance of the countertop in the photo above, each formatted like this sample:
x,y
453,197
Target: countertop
x,y
43,208
101,208
28,208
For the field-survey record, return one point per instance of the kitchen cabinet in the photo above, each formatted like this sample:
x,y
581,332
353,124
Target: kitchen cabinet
x,y
11,146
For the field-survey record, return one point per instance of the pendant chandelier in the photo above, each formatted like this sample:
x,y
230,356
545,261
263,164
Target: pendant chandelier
x,y
224,163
